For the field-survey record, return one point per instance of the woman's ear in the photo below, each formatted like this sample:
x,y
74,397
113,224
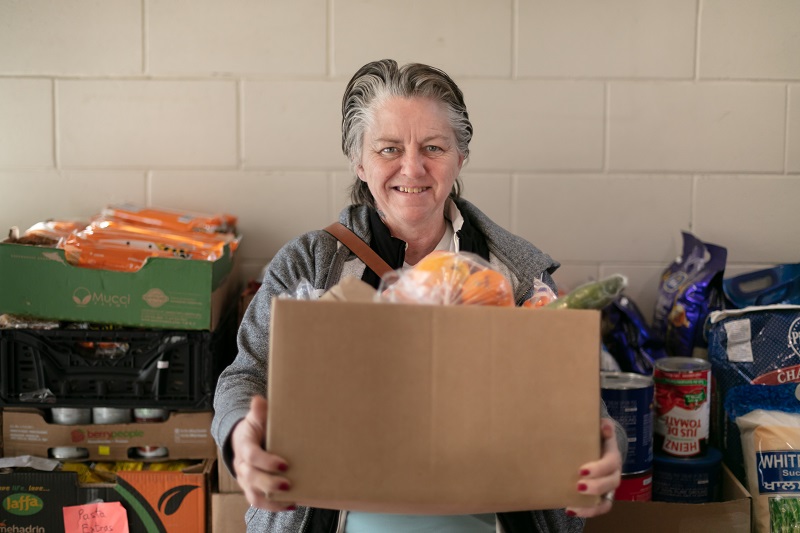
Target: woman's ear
x,y
360,173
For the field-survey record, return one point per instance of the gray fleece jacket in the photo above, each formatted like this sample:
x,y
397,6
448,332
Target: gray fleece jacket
x,y
319,258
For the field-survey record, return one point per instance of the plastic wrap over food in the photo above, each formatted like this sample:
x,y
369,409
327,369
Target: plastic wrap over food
x,y
113,245
768,418
448,278
593,294
690,288
171,219
629,338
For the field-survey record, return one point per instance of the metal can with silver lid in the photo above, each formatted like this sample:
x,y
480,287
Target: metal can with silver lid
x,y
111,415
629,400
71,416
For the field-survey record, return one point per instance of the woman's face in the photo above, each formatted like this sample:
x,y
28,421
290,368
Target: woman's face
x,y
410,161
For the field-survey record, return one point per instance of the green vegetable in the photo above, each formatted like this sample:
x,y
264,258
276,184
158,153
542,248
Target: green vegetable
x,y
592,295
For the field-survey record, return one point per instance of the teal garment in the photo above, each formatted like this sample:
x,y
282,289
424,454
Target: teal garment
x,y
396,523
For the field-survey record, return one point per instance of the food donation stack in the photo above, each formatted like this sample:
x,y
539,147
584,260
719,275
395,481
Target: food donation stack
x,y
113,332
721,361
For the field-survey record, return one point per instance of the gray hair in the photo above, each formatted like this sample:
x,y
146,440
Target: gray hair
x,y
379,80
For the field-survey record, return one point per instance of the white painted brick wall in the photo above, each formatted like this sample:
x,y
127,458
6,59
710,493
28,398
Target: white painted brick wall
x,y
602,129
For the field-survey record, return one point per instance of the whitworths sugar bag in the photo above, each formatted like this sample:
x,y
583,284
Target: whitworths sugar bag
x,y
770,437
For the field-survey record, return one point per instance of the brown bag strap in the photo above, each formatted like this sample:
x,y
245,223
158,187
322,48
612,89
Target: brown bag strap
x,y
360,248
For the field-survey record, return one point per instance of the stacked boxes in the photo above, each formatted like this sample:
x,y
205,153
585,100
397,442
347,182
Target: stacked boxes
x,y
152,339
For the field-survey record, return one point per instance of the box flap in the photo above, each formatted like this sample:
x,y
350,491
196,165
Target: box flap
x,y
431,409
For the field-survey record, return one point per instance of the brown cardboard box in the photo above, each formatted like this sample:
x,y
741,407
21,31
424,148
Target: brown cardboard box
x,y
227,513
731,515
185,435
163,501
433,409
225,481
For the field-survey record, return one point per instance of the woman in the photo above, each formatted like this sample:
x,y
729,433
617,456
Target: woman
x,y
406,132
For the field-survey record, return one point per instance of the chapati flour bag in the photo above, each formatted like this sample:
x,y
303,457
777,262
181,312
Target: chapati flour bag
x,y
768,417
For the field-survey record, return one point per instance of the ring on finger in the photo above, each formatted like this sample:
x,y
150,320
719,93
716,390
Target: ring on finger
x,y
609,496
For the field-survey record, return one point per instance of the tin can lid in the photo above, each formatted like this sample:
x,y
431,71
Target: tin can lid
x,y
685,364
624,380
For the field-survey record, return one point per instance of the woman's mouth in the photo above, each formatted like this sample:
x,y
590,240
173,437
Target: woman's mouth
x,y
412,190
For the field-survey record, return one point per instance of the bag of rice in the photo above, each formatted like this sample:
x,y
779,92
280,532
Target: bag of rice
x,y
768,417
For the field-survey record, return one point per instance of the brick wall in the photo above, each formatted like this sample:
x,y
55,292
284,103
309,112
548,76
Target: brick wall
x,y
602,129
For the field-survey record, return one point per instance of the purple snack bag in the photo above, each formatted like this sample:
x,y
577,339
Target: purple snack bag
x,y
628,338
690,288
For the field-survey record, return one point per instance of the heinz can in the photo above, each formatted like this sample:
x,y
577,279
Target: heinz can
x,y
629,399
683,413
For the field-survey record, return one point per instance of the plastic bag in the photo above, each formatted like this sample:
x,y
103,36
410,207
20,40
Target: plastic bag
x,y
768,417
448,278
629,338
690,288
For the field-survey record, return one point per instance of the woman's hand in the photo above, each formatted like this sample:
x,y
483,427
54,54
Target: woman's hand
x,y
259,473
601,477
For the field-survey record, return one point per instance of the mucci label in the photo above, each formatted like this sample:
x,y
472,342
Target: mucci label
x,y
83,297
23,504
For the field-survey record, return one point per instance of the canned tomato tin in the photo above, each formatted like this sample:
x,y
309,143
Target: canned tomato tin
x,y
145,415
71,416
682,393
150,414
691,480
629,399
67,453
111,415
636,487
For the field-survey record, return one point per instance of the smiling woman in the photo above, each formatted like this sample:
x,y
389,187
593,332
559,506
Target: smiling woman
x,y
406,133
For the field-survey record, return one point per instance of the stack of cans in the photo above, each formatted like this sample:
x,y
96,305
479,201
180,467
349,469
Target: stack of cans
x,y
629,399
686,468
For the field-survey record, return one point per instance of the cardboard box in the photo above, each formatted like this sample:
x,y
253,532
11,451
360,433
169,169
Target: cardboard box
x,y
731,515
170,502
185,435
226,483
165,293
227,513
433,409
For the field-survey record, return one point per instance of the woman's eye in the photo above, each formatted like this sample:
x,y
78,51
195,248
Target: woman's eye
x,y
433,149
389,150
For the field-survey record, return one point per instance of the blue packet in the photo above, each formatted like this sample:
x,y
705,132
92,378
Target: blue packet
x,y
690,288
628,337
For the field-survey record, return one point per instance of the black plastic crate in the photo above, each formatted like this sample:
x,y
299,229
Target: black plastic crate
x,y
126,368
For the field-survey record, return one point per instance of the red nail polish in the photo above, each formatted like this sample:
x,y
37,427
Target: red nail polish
x,y
582,487
283,486
570,513
283,467
291,508
585,472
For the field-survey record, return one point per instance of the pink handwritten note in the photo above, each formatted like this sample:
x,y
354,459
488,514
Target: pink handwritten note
x,y
103,517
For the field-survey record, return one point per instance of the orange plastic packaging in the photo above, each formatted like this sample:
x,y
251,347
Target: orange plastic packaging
x,y
113,245
449,278
171,219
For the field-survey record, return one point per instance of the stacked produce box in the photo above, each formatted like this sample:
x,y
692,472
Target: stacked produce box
x,y
114,332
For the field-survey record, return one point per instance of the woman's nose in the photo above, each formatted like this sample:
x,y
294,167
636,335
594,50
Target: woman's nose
x,y
413,164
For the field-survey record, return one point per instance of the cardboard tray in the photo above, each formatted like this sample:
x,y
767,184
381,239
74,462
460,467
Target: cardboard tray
x,y
730,515
185,435
165,293
433,409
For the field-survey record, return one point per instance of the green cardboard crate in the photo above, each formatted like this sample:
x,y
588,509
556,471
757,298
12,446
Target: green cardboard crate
x,y
164,293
